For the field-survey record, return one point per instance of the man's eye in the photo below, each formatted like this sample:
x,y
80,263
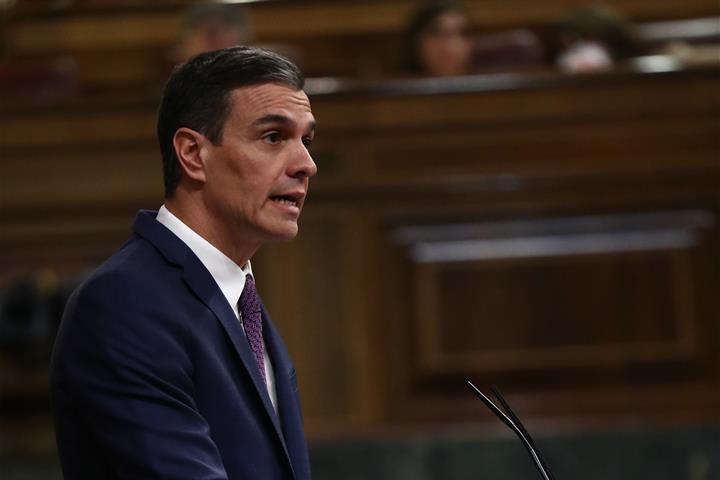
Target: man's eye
x,y
307,141
272,137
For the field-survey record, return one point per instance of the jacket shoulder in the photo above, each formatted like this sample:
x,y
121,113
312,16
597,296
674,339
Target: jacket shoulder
x,y
124,310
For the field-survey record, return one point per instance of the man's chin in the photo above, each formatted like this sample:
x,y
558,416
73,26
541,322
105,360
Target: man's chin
x,y
283,234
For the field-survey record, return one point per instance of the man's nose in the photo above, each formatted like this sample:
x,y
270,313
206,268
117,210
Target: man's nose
x,y
302,164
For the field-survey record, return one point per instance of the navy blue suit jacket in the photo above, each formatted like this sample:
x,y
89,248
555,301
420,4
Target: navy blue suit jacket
x,y
152,376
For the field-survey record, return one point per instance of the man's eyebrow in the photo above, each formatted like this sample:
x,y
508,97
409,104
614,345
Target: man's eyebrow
x,y
272,118
278,118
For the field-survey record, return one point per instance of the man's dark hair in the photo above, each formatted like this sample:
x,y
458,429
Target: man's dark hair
x,y
197,96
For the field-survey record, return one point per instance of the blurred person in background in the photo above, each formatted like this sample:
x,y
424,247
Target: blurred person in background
x,y
593,38
212,26
438,41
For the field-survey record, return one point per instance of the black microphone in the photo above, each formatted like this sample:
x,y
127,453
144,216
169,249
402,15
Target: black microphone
x,y
509,418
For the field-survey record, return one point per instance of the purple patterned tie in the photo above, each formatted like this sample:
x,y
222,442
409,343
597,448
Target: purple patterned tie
x,y
250,309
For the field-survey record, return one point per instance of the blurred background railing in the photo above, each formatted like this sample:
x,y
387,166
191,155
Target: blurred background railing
x,y
533,222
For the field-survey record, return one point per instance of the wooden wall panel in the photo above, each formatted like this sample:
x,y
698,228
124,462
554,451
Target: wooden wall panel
x,y
80,127
320,293
611,188
83,178
611,182
304,283
543,297
621,314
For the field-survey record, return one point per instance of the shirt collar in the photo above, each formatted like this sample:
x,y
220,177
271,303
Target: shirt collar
x,y
230,277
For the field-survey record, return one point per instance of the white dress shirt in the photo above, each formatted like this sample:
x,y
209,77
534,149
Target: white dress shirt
x,y
229,277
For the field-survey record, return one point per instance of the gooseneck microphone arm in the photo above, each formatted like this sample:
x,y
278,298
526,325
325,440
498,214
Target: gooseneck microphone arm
x,y
509,418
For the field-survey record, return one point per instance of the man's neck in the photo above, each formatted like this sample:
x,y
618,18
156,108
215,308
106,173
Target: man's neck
x,y
199,219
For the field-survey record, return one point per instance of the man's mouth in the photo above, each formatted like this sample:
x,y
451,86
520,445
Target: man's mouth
x,y
292,199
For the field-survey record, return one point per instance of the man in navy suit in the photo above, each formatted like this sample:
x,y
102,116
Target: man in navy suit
x,y
166,366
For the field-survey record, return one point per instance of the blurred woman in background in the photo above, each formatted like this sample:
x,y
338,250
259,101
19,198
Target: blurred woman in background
x,y
438,42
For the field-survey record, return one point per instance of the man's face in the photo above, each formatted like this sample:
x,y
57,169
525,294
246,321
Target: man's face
x,y
257,177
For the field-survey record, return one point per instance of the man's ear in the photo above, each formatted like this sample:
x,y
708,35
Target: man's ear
x,y
188,146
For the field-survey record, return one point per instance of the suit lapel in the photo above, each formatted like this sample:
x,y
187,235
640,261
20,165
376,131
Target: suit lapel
x,y
200,281
288,400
